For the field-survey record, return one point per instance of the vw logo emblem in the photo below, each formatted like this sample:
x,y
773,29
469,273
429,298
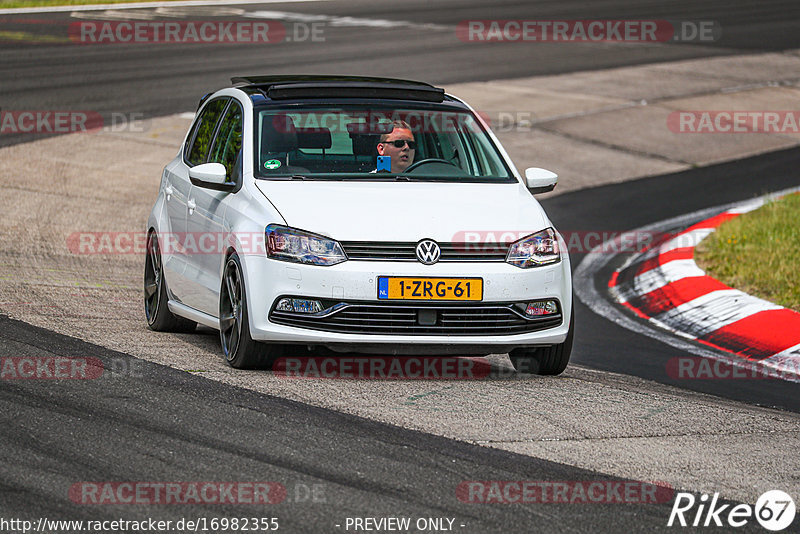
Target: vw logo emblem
x,y
428,251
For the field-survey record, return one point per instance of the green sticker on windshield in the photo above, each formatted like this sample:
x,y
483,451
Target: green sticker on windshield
x,y
272,164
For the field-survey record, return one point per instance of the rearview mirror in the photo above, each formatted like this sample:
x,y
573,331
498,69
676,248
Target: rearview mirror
x,y
540,180
211,176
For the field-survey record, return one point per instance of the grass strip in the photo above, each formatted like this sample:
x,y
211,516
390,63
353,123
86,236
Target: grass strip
x,y
758,252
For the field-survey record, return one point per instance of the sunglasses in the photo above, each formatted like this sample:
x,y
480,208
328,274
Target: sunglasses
x,y
400,143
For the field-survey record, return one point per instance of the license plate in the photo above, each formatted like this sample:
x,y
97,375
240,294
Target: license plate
x,y
414,288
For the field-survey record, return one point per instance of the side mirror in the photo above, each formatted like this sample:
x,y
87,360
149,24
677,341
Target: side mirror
x,y
211,176
540,180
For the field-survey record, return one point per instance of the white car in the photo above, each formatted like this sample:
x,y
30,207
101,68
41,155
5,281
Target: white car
x,y
367,215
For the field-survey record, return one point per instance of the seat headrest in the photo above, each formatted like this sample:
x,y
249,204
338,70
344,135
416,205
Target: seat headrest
x,y
313,137
364,138
278,134
365,128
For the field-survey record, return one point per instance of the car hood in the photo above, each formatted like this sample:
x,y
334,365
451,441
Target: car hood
x,y
406,211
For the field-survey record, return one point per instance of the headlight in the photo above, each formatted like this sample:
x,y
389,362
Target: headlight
x,y
288,244
538,249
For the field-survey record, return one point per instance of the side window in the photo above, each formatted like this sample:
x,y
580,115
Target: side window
x,y
229,139
204,132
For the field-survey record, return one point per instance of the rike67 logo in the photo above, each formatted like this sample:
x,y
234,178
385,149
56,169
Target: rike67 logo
x,y
774,510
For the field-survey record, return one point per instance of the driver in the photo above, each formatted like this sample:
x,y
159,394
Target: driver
x,y
399,145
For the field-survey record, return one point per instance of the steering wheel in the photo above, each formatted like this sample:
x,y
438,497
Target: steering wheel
x,y
422,162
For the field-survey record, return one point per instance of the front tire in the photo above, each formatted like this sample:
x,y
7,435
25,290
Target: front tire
x,y
240,349
159,318
550,360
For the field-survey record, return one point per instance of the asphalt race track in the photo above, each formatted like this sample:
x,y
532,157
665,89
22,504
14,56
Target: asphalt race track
x,y
155,422
169,425
158,80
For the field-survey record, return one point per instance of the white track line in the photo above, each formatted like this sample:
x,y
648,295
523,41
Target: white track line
x,y
713,311
141,5
659,277
345,21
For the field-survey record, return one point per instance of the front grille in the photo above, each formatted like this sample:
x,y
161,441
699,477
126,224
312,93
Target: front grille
x,y
400,251
403,319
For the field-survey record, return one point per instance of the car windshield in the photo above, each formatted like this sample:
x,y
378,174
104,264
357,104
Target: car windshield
x,y
351,142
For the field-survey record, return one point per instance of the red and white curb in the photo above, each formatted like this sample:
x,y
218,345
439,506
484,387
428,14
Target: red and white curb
x,y
666,287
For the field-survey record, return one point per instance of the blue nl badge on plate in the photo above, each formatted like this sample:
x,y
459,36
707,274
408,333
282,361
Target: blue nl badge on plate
x,y
384,163
383,288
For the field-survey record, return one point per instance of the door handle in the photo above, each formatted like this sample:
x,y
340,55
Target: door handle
x,y
191,204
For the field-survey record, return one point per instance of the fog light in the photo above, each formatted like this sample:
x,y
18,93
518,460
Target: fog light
x,y
299,306
306,306
285,305
541,307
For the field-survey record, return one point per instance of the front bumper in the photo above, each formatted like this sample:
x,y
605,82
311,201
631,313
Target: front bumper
x,y
355,284
418,318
